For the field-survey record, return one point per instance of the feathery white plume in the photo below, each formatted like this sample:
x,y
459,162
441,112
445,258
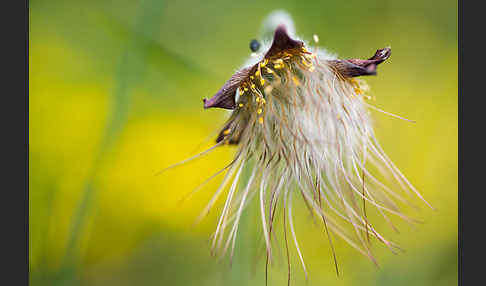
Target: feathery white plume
x,y
301,115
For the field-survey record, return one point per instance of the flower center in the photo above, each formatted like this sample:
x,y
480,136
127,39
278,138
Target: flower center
x,y
269,72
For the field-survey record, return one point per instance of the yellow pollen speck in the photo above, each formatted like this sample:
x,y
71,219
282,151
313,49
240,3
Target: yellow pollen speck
x,y
296,81
257,99
253,85
278,61
264,101
241,92
226,132
262,81
260,120
246,89
269,70
304,61
240,105
264,63
252,77
257,73
278,66
259,111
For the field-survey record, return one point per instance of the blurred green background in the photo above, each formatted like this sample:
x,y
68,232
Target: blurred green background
x,y
115,96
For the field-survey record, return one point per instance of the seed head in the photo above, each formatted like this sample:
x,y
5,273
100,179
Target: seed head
x,y
301,116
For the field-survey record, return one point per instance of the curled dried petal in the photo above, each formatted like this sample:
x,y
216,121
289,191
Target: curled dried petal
x,y
225,97
282,42
358,67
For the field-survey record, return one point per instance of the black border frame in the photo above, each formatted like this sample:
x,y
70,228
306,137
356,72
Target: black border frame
x,y
16,117
471,123
14,209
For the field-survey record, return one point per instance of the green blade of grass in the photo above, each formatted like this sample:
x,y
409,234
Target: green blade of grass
x,y
129,73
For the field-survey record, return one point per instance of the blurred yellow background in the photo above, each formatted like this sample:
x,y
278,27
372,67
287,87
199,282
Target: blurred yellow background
x,y
115,96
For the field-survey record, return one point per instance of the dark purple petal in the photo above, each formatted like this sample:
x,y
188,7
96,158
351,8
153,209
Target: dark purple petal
x,y
225,97
282,42
358,67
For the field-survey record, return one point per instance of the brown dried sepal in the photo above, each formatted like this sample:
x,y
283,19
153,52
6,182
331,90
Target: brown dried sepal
x,y
225,97
282,42
358,67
